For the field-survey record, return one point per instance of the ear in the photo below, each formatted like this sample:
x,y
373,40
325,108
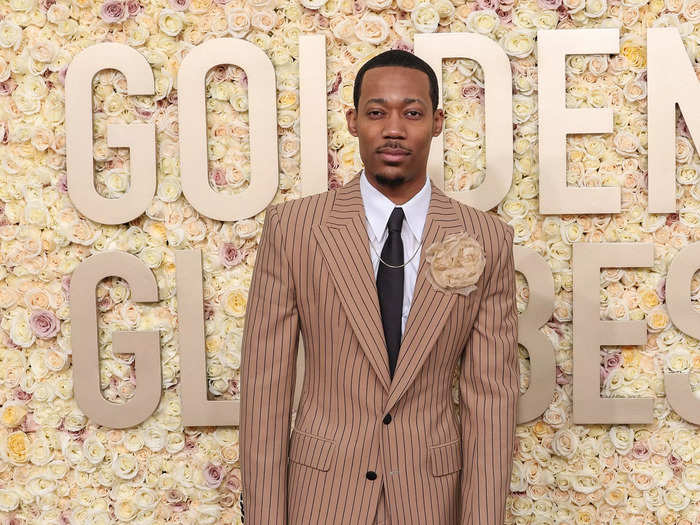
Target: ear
x,y
438,120
351,117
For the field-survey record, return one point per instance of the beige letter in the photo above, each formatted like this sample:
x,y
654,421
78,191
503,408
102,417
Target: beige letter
x,y
685,318
139,138
197,410
539,309
498,109
556,121
590,332
145,345
671,80
262,103
313,103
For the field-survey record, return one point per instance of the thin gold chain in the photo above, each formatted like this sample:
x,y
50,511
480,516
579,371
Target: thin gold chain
x,y
394,266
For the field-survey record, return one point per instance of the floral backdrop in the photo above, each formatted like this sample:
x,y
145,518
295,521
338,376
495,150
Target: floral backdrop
x,y
58,467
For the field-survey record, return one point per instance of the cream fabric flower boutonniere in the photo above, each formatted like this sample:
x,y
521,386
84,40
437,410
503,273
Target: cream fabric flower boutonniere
x,y
456,263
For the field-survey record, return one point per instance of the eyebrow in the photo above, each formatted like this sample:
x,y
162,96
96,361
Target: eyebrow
x,y
405,101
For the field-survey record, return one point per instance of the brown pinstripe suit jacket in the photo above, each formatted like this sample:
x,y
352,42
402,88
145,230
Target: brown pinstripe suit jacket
x,y
313,273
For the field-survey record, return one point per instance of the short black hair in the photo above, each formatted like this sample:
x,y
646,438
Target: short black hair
x,y
397,57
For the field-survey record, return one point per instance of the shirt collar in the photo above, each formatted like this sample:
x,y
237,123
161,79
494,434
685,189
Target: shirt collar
x,y
378,207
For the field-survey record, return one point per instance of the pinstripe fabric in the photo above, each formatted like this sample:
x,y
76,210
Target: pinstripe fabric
x,y
313,274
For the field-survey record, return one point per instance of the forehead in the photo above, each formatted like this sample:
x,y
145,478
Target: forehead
x,y
394,83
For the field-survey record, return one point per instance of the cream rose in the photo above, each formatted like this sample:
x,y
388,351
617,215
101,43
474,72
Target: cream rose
x,y
425,18
456,263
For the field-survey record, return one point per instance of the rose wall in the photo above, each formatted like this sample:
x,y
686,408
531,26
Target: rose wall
x,y
57,466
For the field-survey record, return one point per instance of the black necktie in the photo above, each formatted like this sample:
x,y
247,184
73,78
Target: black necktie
x,y
390,287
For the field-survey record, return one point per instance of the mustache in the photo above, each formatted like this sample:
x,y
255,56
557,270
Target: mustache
x,y
393,146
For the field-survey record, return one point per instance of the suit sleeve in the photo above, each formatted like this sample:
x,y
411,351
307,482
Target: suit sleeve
x,y
488,383
268,370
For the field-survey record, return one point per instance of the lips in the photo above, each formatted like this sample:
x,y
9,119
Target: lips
x,y
392,155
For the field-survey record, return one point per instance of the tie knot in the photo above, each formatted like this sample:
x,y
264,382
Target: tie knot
x,y
395,219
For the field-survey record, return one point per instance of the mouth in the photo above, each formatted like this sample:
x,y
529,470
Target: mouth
x,y
393,155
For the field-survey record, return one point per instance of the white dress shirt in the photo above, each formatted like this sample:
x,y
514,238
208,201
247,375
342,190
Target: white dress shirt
x,y
378,208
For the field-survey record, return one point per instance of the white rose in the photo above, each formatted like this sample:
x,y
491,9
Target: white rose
x,y
313,4
155,438
378,5
372,28
565,443
21,333
425,18
518,43
9,500
133,440
93,450
238,22
584,481
678,360
125,466
10,34
622,438
595,8
171,22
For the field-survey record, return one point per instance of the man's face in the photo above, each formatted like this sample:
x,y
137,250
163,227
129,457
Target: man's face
x,y
394,123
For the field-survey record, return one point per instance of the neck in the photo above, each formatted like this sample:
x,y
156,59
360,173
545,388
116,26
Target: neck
x,y
401,193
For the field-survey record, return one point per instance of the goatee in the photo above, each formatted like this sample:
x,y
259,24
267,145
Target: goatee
x,y
390,182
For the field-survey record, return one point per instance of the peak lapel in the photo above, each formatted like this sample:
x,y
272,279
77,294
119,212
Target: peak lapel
x,y
343,240
429,307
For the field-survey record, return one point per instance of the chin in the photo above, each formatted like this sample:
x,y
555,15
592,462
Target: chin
x,y
390,179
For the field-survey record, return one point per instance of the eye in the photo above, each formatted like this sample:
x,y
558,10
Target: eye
x,y
418,113
373,112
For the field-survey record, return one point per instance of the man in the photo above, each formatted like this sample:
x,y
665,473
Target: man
x,y
375,438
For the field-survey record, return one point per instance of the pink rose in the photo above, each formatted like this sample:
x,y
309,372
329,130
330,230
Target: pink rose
x,y
403,46
7,87
562,378
62,75
333,160
336,83
62,184
549,4
505,16
213,475
674,460
612,361
487,4
218,177
661,290
65,284
133,7
473,91
44,323
180,5
333,183
29,424
234,387
208,309
230,255
113,11
233,481
640,450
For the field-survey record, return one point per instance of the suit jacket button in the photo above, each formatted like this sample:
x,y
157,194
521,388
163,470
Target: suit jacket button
x,y
371,474
387,419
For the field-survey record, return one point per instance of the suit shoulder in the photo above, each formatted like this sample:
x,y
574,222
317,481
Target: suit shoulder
x,y
307,208
487,223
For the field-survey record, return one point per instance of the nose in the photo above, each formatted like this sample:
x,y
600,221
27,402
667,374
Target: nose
x,y
394,125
